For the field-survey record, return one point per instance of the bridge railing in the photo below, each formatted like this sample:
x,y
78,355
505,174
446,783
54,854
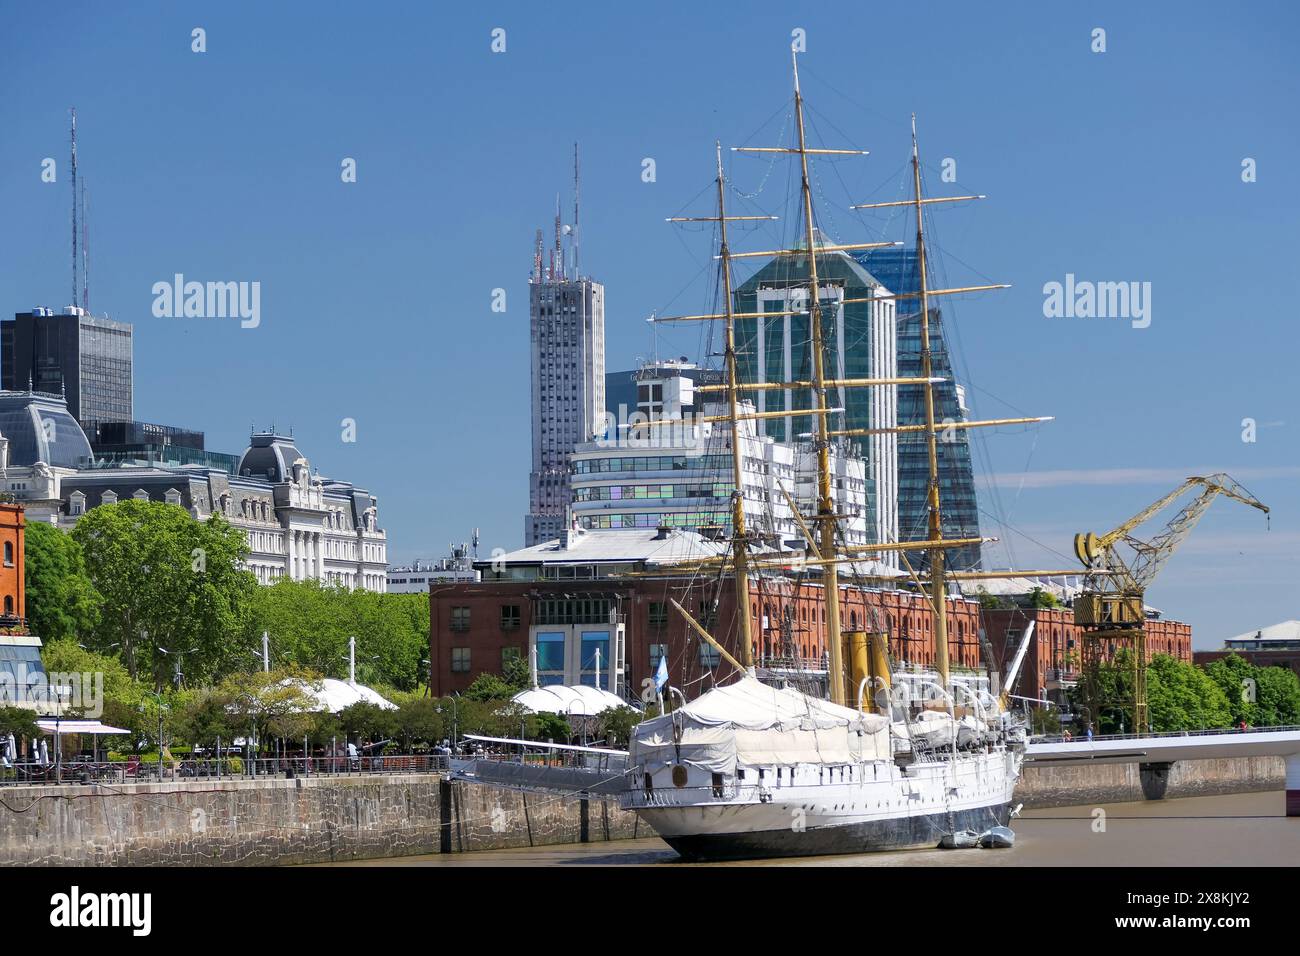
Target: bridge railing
x,y
1219,731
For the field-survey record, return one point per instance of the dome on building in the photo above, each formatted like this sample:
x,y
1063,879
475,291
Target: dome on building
x,y
39,428
269,456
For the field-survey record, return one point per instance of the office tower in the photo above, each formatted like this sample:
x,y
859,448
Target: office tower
x,y
566,317
86,359
896,269
859,341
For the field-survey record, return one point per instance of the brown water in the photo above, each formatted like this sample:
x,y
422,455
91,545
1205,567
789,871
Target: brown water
x,y
1246,829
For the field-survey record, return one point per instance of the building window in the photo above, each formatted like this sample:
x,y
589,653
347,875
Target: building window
x,y
658,614
460,619
709,656
9,605
510,617
9,554
460,660
550,653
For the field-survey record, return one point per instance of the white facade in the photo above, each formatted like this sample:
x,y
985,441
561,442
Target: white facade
x,y
567,335
297,524
680,475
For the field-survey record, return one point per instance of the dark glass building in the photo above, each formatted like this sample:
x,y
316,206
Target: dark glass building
x,y
859,340
119,444
84,358
896,270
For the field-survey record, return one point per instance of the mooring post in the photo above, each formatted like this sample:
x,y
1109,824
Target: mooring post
x,y
1293,785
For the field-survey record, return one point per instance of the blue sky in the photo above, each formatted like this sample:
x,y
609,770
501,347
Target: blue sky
x,y
1115,166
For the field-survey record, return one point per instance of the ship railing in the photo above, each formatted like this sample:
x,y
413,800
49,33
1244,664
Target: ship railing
x,y
677,796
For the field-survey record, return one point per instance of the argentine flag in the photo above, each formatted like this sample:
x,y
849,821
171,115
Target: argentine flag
x,y
661,675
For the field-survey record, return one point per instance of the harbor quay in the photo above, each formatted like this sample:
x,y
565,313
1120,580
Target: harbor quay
x,y
334,819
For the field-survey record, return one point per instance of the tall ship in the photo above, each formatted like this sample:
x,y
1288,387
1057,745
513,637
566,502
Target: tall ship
x,y
824,732
877,758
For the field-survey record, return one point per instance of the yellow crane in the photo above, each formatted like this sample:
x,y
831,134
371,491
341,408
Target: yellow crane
x,y
1120,567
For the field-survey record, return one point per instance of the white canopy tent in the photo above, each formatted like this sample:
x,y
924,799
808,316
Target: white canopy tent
x,y
335,695
577,701
755,724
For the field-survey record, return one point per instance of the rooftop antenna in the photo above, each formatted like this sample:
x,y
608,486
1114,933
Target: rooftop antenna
x,y
537,258
557,254
475,540
85,255
577,273
76,286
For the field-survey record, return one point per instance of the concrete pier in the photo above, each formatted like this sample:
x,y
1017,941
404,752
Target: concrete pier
x,y
326,819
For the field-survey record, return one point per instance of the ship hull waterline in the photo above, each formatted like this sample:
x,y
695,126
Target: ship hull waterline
x,y
868,836
872,807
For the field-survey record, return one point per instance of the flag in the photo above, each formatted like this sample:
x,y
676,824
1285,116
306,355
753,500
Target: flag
x,y
661,675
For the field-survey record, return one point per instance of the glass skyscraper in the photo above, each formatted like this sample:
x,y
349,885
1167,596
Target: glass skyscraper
x,y
859,340
896,269
86,359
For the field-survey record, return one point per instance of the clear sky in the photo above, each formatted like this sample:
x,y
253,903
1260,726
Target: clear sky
x,y
376,295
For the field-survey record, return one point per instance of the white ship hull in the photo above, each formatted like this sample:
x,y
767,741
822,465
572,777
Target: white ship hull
x,y
814,811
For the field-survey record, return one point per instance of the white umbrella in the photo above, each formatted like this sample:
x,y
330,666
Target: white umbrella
x,y
43,755
11,751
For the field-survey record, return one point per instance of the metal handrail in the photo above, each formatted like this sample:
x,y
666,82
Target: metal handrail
x,y
1083,738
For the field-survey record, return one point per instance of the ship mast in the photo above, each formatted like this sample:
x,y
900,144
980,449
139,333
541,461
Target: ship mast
x,y
938,585
744,624
825,499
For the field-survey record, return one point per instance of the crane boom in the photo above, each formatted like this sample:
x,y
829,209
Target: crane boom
x,y
1111,607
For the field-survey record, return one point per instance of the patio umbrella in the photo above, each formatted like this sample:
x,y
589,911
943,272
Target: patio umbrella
x,y
11,751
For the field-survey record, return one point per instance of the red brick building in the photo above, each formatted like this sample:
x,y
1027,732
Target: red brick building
x,y
13,588
1052,659
476,627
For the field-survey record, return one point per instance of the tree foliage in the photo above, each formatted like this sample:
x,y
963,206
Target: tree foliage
x,y
1181,696
170,585
310,624
61,598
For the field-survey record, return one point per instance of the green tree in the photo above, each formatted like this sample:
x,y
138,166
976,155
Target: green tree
x,y
61,599
364,719
1230,674
203,719
171,585
616,725
553,727
1040,598
516,672
310,625
18,721
1181,696
418,720
489,687
278,703
1277,692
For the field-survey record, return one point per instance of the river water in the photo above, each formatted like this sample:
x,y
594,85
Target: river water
x,y
1246,829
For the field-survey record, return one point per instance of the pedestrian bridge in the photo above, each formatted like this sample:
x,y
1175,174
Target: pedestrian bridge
x,y
1151,750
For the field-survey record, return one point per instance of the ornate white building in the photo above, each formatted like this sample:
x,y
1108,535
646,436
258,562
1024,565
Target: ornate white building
x,y
298,524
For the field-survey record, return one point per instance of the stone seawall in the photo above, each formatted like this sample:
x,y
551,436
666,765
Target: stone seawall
x,y
1119,783
248,822
262,822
